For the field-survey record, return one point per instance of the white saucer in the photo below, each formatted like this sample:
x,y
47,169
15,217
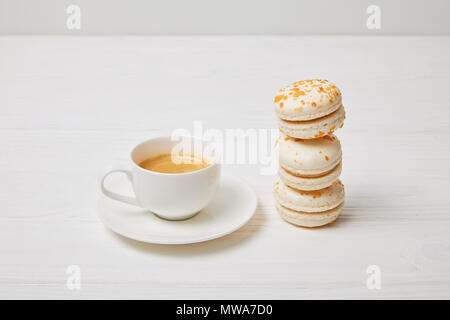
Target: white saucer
x,y
234,205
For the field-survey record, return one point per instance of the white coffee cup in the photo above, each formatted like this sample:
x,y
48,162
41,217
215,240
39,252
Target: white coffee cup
x,y
172,196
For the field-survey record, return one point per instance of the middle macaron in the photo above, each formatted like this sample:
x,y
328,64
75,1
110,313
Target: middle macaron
x,y
310,164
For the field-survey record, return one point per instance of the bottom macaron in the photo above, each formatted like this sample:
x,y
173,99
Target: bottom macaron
x,y
308,219
309,208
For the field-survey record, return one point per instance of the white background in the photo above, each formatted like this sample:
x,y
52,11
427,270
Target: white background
x,y
262,17
71,106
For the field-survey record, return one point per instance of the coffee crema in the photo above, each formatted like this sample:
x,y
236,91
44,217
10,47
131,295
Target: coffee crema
x,y
168,163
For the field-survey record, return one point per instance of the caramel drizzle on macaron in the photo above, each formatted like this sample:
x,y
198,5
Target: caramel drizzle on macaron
x,y
300,91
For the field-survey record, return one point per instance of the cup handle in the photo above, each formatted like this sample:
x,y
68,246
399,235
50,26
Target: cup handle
x,y
116,196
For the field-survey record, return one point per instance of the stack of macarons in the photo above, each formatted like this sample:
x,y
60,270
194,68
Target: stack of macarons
x,y
308,192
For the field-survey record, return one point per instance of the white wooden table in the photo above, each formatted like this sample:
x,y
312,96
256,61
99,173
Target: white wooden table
x,y
70,106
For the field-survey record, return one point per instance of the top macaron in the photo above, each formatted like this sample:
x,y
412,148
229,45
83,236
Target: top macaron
x,y
307,99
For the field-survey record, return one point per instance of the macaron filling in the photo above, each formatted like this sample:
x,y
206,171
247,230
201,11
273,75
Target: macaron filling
x,y
316,128
309,219
313,176
312,121
309,201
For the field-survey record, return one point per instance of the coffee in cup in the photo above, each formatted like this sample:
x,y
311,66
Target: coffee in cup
x,y
172,184
174,163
